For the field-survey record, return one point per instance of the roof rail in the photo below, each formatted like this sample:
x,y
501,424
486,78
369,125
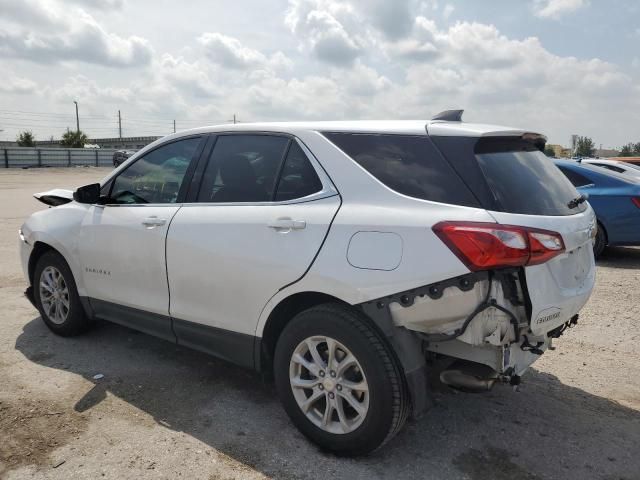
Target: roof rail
x,y
449,116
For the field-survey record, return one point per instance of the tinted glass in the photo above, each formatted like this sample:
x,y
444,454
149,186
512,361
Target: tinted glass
x,y
575,178
156,177
408,164
243,168
609,167
298,178
523,179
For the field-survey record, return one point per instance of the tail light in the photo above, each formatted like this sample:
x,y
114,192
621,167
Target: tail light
x,y
636,201
484,246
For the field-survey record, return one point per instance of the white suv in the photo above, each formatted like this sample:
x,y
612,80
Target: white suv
x,y
347,258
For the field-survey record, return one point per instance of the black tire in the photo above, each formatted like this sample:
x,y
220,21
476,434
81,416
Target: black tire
x,y
76,321
388,395
601,241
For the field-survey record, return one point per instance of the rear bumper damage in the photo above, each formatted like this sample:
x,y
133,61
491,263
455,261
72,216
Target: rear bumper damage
x,y
482,320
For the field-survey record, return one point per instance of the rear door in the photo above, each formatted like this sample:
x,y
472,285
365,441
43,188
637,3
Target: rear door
x,y
262,212
523,187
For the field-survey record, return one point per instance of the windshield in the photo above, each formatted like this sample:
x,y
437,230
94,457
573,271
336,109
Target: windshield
x,y
524,180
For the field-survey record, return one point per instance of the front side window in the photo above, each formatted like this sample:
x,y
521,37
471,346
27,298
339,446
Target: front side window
x,y
156,177
243,168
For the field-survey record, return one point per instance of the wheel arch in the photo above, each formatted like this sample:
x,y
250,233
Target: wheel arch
x,y
405,346
281,315
604,230
39,249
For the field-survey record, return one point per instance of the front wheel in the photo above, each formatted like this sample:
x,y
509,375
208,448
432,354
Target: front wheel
x,y
56,296
339,381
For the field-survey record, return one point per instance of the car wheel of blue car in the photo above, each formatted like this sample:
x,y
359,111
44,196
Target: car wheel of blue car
x,y
600,242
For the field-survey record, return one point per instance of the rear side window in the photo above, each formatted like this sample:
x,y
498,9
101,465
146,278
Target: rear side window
x,y
575,178
609,167
408,164
243,168
298,178
522,179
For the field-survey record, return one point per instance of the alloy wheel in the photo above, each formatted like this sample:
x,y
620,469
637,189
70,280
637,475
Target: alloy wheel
x,y
54,295
329,384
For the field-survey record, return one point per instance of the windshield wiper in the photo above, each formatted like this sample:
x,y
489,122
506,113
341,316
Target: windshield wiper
x,y
577,201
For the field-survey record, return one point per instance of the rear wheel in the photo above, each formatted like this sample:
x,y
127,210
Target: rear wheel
x,y
56,296
600,242
339,382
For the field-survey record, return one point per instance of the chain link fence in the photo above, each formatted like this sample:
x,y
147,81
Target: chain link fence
x,y
24,157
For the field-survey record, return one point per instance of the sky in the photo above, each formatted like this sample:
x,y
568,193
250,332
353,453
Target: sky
x,y
557,67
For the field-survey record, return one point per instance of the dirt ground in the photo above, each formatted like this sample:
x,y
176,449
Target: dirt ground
x,y
162,411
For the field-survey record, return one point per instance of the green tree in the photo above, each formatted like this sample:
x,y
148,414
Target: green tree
x,y
73,139
585,147
630,150
26,139
627,150
549,152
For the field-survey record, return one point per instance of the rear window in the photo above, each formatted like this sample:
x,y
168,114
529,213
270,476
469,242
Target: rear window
x,y
522,179
575,178
409,164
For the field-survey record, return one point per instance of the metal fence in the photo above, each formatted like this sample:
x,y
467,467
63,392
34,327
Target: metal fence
x,y
21,157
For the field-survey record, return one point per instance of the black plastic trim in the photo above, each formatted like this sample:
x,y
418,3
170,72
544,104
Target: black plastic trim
x,y
449,116
234,347
231,346
433,290
29,294
152,323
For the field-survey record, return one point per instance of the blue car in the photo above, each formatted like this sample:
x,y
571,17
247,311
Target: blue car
x,y
615,199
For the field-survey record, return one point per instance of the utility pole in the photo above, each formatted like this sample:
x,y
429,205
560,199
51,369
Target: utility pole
x,y
234,118
119,126
77,119
174,126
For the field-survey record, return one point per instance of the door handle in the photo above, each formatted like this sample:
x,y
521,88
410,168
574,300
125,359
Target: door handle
x,y
287,224
153,221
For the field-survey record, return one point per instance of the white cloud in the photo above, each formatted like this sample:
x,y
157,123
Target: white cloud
x,y
46,31
556,8
191,77
321,27
229,52
15,84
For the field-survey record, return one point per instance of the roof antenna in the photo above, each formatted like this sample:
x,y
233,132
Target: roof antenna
x,y
449,116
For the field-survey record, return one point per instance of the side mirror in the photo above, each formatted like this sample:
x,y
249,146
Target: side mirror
x,y
87,194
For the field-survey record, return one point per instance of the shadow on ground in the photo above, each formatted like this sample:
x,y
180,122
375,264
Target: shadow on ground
x,y
548,430
620,257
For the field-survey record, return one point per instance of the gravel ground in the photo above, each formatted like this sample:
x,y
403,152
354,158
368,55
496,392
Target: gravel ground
x,y
162,411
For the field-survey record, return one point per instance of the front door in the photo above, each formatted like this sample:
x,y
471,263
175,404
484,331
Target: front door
x,y
261,216
122,243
